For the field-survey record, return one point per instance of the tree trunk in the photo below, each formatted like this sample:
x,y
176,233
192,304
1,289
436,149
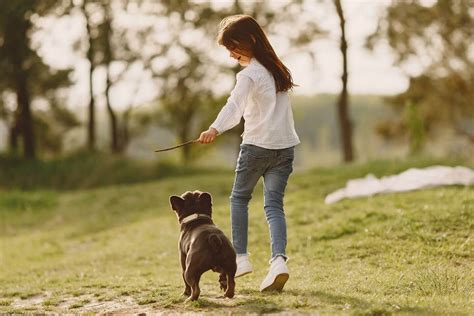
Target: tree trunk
x,y
186,150
184,132
343,102
17,51
125,130
114,146
26,120
91,135
13,134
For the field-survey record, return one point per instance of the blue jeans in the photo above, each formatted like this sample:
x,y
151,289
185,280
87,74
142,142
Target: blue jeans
x,y
275,166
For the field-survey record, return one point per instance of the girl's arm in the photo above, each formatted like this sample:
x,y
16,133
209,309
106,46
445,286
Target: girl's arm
x,y
231,112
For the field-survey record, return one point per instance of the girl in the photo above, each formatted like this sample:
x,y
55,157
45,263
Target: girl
x,y
267,150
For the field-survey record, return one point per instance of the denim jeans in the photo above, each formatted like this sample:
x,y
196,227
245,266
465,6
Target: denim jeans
x,y
275,166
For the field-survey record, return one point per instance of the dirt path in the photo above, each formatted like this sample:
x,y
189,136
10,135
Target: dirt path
x,y
80,304
122,305
89,304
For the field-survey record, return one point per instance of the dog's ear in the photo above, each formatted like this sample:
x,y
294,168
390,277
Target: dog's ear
x,y
205,200
176,202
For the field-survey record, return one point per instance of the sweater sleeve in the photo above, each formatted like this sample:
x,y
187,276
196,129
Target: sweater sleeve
x,y
233,110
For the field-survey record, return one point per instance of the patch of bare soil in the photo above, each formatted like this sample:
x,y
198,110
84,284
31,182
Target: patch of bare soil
x,y
85,304
79,304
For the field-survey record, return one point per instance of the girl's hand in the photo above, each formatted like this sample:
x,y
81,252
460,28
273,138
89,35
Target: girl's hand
x,y
208,136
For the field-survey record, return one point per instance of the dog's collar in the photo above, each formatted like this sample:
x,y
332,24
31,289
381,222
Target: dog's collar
x,y
193,217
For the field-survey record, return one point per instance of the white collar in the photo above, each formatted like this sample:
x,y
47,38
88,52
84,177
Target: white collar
x,y
193,217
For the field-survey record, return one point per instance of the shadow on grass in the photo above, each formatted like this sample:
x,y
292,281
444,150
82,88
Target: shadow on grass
x,y
360,306
246,305
242,303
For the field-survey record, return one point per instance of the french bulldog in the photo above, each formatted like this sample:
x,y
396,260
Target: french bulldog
x,y
202,246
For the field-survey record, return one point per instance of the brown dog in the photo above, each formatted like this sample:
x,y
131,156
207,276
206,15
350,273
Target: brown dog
x,y
202,246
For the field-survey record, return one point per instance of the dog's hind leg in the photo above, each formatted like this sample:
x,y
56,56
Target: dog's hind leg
x,y
192,278
223,281
230,286
187,289
230,270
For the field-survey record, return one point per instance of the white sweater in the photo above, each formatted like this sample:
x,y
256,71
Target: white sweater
x,y
268,115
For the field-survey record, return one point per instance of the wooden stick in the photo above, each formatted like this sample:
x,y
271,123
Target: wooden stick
x,y
177,146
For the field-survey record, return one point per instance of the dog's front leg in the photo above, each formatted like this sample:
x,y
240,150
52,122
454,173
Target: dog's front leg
x,y
187,289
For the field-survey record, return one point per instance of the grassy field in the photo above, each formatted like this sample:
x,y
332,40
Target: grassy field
x,y
113,248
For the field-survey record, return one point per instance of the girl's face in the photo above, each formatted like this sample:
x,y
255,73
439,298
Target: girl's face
x,y
243,60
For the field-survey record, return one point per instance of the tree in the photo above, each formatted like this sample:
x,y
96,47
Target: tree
x,y
106,37
111,47
437,38
23,70
343,102
91,130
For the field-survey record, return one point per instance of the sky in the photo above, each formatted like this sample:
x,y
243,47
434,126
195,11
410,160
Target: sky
x,y
370,72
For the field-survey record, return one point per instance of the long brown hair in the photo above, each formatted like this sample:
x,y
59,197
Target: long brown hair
x,y
242,34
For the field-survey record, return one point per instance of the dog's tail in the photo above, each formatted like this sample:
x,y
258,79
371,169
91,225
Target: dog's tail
x,y
215,241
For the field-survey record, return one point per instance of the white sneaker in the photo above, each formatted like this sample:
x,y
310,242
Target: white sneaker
x,y
243,266
277,276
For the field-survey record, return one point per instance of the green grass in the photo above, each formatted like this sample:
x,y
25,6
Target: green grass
x,y
114,248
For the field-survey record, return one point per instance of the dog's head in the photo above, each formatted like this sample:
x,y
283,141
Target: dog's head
x,y
189,203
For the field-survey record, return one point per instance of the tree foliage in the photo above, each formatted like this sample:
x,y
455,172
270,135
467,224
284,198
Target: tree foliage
x,y
439,39
23,71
